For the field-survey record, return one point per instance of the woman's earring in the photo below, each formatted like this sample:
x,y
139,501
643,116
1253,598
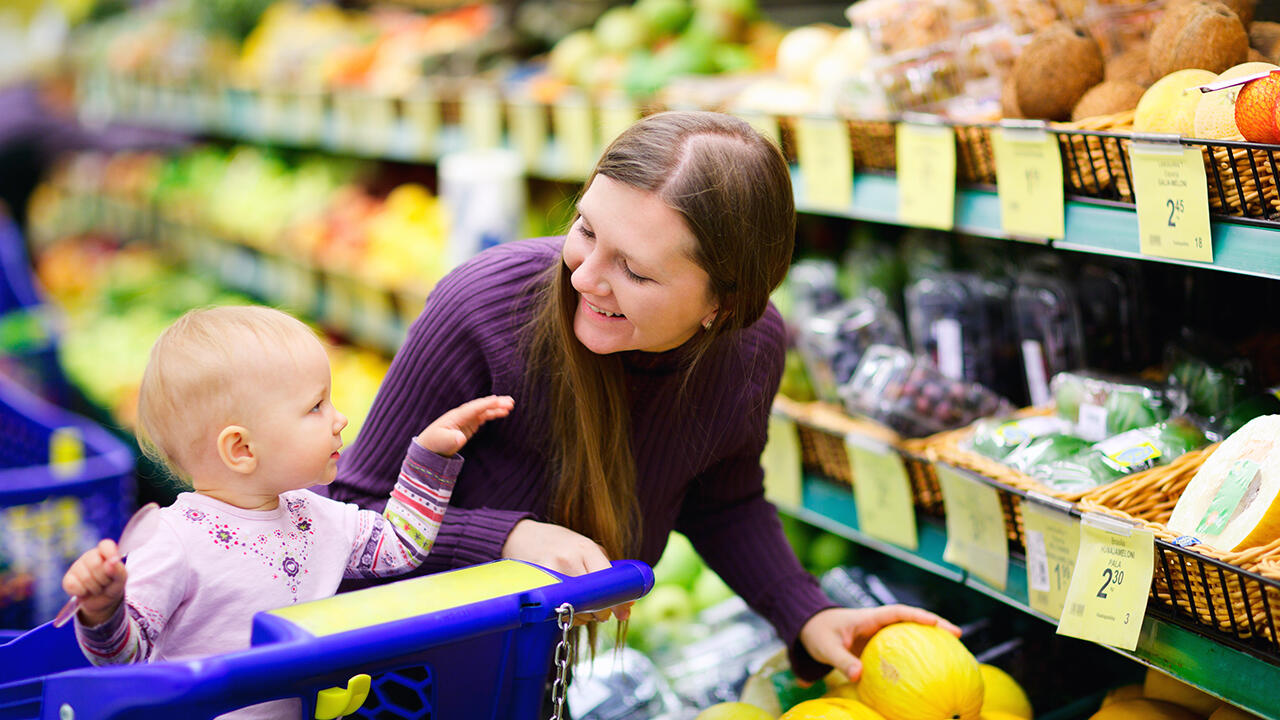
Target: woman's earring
x,y
706,324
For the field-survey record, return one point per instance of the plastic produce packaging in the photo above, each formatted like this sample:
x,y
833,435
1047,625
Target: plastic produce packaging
x,y
913,397
619,684
1101,406
1116,457
960,322
1050,337
833,342
1213,389
814,288
1045,450
997,437
1114,314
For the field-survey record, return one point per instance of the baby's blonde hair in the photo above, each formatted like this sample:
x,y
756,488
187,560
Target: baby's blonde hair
x,y
202,374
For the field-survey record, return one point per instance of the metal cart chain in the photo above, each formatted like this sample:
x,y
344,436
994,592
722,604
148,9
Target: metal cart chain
x,y
565,613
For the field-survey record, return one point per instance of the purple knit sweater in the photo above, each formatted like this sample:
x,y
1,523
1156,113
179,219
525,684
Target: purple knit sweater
x,y
697,456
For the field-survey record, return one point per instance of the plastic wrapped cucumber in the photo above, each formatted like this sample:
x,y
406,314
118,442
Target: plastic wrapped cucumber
x,y
1101,406
997,437
1121,455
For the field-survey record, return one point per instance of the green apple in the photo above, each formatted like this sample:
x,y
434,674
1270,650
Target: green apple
x,y
664,17
709,590
679,564
826,552
733,711
575,51
621,30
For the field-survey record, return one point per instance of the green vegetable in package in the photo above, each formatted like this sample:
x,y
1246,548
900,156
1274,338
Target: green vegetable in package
x,y
1045,450
996,438
1121,455
1100,406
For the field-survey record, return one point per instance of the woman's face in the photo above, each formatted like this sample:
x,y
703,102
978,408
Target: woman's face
x,y
632,267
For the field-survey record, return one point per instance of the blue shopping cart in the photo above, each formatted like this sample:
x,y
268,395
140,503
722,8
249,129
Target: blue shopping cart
x,y
471,644
65,482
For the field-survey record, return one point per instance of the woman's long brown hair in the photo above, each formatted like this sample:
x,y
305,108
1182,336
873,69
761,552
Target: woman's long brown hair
x,y
733,189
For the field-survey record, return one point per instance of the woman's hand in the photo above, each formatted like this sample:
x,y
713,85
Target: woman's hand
x,y
565,551
836,636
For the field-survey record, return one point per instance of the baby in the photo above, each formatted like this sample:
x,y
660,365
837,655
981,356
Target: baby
x,y
235,401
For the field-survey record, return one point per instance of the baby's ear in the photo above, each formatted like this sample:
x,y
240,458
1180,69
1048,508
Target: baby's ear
x,y
235,451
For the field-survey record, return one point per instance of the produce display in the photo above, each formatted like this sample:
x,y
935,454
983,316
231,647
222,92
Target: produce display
x,y
1115,457
835,341
1101,406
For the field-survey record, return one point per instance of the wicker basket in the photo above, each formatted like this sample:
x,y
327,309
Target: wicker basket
x,y
1095,156
975,155
874,145
1242,180
823,427
1197,581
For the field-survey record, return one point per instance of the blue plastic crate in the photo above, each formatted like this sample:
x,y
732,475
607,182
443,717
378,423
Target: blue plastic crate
x,y
50,514
477,644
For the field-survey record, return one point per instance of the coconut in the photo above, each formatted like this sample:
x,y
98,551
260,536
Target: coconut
x,y
1009,99
1131,65
1107,98
1055,69
1264,36
1198,34
1242,8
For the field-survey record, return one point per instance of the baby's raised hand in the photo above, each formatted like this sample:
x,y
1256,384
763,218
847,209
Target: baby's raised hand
x,y
452,430
97,578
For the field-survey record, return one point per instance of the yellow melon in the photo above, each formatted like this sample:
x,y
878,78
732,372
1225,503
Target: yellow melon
x,y
1231,712
1159,686
1215,115
1143,709
818,709
1003,694
1124,692
733,711
847,690
997,715
1157,108
857,710
920,672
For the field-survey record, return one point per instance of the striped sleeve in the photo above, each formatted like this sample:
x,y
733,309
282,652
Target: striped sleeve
x,y
120,640
399,540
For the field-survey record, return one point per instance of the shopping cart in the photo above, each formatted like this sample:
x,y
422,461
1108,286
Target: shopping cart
x,y
65,482
480,640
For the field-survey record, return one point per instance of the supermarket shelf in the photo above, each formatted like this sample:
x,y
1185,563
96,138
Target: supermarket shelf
x,y
1092,228
1228,674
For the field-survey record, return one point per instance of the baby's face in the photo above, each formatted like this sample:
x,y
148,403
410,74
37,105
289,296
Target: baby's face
x,y
297,432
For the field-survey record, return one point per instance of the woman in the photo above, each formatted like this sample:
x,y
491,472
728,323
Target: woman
x,y
644,356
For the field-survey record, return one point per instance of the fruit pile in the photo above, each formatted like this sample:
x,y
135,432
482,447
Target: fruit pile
x,y
1161,697
910,672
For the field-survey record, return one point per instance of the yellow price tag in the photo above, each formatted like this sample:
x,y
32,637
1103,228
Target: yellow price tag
x,y
781,461
616,116
975,527
422,116
1053,541
481,118
926,175
1107,597
826,162
882,491
1029,182
66,451
575,135
765,124
1172,198
528,131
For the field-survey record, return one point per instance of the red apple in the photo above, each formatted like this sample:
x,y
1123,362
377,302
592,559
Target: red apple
x,y
1257,107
